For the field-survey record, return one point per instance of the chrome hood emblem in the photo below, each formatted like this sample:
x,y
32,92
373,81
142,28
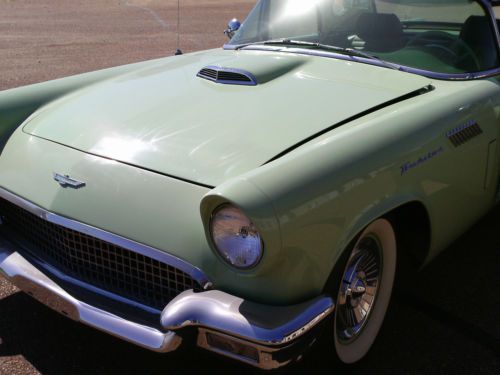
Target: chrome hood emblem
x,y
66,181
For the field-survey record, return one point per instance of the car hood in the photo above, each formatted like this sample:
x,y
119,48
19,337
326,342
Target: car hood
x,y
166,119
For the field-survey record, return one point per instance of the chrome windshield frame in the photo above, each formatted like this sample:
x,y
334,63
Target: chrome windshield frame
x,y
485,4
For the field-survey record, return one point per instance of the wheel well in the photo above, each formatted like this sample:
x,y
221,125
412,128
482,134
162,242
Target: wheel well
x,y
411,224
412,227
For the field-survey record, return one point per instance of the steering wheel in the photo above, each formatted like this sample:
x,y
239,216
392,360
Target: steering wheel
x,y
456,45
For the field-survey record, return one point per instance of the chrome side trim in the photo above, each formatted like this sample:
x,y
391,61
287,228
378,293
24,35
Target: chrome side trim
x,y
117,240
24,275
252,322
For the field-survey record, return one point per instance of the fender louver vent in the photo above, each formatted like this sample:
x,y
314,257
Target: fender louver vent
x,y
464,133
227,76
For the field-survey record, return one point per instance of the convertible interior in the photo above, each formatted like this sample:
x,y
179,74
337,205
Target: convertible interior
x,y
440,47
442,36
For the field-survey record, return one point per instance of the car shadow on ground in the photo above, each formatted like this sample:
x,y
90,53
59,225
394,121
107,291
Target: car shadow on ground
x,y
445,321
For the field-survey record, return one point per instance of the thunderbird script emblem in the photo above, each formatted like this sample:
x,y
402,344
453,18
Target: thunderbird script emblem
x,y
66,181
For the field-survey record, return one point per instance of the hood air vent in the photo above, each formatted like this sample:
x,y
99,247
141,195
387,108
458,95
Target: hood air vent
x,y
228,76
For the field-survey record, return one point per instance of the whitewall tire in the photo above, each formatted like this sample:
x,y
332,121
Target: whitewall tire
x,y
364,291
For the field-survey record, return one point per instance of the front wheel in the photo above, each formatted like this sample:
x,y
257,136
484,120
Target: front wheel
x,y
364,291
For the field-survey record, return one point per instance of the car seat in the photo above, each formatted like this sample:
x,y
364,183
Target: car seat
x,y
381,32
479,36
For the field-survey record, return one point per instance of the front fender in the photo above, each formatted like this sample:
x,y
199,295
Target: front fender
x,y
325,192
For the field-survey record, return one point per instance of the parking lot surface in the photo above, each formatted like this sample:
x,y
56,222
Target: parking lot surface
x,y
445,321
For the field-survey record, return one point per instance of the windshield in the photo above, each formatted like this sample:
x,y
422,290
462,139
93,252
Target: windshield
x,y
442,36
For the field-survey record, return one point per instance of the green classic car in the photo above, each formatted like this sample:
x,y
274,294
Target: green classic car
x,y
253,198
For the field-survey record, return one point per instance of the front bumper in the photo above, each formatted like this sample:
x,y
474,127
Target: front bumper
x,y
264,336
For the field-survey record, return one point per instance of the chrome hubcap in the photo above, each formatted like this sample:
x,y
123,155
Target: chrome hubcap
x,y
358,290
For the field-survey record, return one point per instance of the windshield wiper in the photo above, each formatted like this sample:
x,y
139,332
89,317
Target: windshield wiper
x,y
326,47
284,42
358,53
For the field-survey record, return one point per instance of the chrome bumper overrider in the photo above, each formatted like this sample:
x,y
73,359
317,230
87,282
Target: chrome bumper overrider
x,y
261,335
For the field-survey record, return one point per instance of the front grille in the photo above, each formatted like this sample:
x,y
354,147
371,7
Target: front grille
x,y
96,262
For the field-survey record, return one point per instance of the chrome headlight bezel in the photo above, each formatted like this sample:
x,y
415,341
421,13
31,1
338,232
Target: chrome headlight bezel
x,y
227,255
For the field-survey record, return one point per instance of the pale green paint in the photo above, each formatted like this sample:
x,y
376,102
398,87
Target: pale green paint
x,y
167,119
137,204
327,191
308,204
18,104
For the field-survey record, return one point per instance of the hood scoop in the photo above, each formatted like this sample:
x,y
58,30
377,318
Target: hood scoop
x,y
228,76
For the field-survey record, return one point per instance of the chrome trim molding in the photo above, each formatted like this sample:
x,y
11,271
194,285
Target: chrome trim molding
x,y
25,276
117,240
260,324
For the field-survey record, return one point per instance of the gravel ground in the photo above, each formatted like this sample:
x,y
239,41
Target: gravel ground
x,y
47,39
446,321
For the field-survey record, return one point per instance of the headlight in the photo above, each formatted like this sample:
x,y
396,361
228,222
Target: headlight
x,y
236,237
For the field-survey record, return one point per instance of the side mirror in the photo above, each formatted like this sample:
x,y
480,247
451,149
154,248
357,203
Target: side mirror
x,y
233,26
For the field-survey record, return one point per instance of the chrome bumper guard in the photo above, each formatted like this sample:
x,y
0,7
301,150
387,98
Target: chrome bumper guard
x,y
264,336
